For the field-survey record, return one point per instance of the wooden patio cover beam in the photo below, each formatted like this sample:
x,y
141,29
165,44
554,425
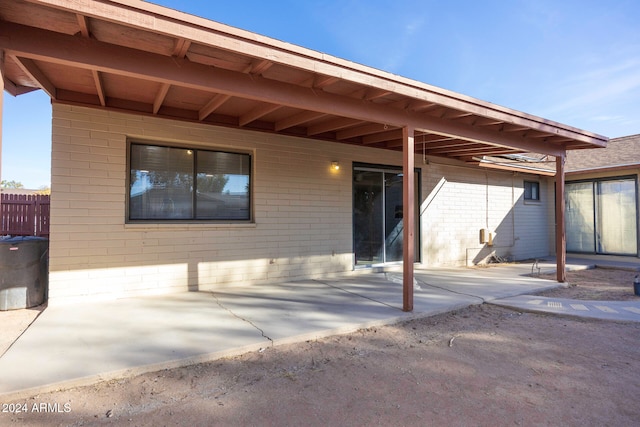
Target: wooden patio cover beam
x,y
561,241
408,217
2,86
42,45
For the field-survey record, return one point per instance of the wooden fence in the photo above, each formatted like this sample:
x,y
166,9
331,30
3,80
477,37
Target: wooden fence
x,y
25,215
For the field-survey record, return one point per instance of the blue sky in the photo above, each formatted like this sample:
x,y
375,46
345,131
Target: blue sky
x,y
575,62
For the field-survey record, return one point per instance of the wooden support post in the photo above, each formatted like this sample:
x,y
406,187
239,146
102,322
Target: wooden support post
x,y
561,243
1,106
408,217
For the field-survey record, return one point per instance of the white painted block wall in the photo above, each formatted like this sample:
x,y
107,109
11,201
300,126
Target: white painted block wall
x,y
460,200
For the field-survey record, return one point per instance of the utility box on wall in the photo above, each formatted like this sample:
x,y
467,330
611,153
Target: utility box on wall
x,y
486,237
483,235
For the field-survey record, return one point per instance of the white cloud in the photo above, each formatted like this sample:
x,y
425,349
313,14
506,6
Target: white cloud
x,y
603,99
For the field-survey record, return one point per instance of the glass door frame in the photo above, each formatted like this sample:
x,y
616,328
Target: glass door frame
x,y
595,191
386,169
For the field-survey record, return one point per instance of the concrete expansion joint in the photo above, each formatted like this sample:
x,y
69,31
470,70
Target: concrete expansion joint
x,y
452,291
228,310
21,333
353,293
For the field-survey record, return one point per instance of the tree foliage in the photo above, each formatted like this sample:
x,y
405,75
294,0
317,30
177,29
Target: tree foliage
x,y
11,184
212,183
44,190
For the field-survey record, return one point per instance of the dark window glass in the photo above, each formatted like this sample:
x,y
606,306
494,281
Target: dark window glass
x,y
169,183
531,190
222,185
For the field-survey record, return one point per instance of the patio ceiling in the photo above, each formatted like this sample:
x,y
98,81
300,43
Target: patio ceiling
x,y
138,57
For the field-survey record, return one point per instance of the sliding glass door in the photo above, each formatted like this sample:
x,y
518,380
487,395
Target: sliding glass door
x,y
377,215
580,217
368,217
601,216
616,217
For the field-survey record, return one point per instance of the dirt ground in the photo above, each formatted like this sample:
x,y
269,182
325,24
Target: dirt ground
x,y
481,366
603,284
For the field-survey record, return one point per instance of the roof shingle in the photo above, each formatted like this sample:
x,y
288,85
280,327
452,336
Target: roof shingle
x,y
620,152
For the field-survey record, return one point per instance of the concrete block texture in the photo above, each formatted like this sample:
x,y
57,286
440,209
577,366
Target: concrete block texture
x,y
301,225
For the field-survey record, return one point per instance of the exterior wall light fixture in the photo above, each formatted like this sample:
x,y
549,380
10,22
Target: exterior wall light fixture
x,y
335,166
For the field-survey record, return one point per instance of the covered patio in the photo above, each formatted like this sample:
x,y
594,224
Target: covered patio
x,y
137,58
135,335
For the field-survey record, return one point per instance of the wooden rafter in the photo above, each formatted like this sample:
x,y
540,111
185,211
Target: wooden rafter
x,y
485,164
459,148
491,151
258,67
514,128
361,131
451,143
372,94
453,114
474,158
369,94
257,112
421,106
332,125
402,104
359,93
83,23
486,151
15,89
212,106
432,138
484,121
297,119
160,96
320,82
30,68
558,140
388,135
437,141
213,61
181,48
97,79
433,141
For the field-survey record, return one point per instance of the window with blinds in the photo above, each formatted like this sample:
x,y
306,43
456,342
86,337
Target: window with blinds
x,y
189,184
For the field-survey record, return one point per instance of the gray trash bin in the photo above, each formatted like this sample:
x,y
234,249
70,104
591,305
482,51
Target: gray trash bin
x,y
24,272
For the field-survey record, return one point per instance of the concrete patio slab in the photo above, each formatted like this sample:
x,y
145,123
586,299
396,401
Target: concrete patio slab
x,y
70,345
86,340
307,309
